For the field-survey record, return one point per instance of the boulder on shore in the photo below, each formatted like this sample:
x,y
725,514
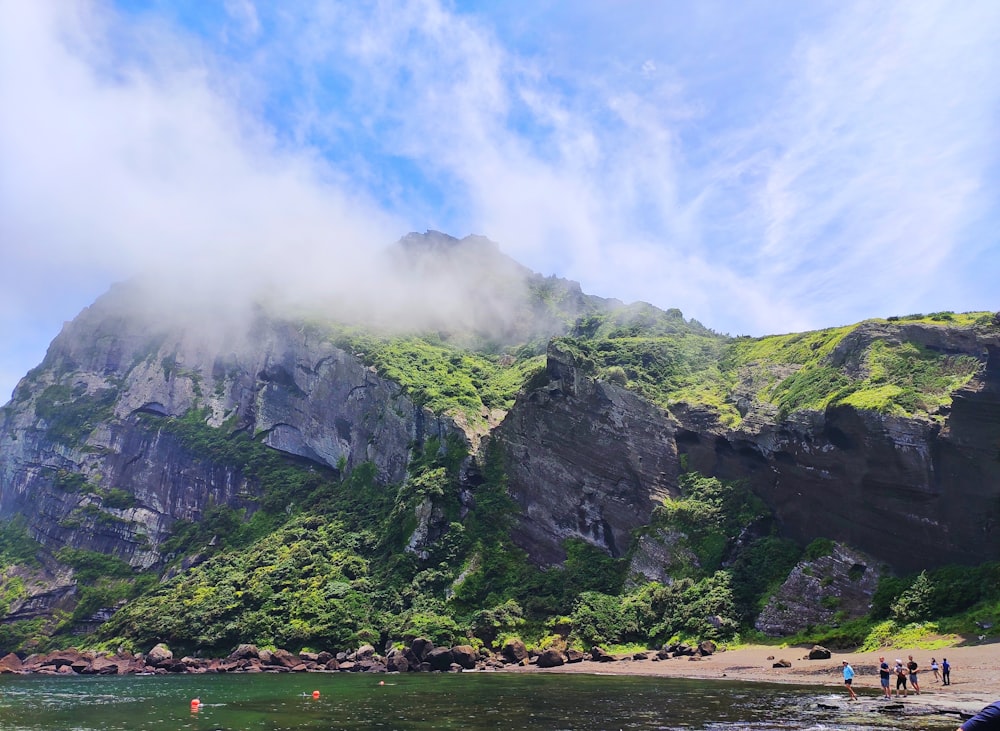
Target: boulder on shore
x,y
513,650
550,658
818,652
159,656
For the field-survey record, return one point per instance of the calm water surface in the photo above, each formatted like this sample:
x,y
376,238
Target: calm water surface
x,y
469,701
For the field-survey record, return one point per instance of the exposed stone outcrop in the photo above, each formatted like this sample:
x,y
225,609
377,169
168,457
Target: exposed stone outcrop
x,y
816,591
913,492
586,459
288,384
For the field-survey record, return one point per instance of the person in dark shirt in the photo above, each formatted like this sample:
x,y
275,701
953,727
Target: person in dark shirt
x,y
883,677
911,666
945,671
987,719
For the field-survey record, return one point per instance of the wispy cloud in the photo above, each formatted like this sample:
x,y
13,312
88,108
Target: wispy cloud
x,y
874,161
763,170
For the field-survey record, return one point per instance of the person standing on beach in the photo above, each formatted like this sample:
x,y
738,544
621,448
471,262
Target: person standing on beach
x,y
934,669
987,719
911,666
900,677
945,672
883,677
848,679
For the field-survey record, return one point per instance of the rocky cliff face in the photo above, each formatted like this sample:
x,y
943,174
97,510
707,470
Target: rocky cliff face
x,y
85,459
914,492
588,459
585,459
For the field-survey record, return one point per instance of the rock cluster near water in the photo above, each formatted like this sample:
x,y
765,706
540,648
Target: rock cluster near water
x,y
421,656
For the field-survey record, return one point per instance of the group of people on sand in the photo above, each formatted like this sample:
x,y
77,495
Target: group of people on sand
x,y
906,674
988,719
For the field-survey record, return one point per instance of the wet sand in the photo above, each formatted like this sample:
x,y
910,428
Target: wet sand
x,y
975,672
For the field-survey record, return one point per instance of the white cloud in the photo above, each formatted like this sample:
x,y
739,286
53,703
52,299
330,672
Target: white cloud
x,y
112,166
757,192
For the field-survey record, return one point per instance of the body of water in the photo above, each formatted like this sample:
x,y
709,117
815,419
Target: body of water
x,y
468,701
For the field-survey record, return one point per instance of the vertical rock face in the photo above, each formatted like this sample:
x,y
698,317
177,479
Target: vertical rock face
x,y
588,459
914,492
85,458
585,459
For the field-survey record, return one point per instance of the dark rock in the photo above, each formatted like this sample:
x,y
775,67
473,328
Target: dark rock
x,y
420,647
440,658
597,654
244,652
397,662
61,658
573,655
550,658
83,667
284,658
10,663
782,664
818,652
105,666
583,435
159,656
707,647
514,651
465,656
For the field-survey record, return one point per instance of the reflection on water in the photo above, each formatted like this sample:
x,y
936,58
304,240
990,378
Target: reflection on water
x,y
469,701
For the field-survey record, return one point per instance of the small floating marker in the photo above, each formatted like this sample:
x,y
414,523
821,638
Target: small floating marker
x,y
195,704
381,682
315,694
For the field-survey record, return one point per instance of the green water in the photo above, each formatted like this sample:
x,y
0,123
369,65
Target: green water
x,y
470,701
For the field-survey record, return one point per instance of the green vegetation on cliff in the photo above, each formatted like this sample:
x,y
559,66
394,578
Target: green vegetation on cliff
x,y
16,544
328,558
443,377
873,366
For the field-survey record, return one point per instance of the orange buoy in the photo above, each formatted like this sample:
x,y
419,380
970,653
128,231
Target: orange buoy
x,y
381,682
315,694
195,704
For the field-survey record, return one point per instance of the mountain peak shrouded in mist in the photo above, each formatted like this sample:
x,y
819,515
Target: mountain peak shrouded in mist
x,y
465,290
463,431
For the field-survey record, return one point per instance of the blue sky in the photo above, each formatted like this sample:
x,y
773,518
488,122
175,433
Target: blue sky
x,y
764,166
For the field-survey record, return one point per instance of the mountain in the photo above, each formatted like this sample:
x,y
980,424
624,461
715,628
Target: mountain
x,y
472,448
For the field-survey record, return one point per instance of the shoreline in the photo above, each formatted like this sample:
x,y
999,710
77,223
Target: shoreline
x,y
975,670
975,675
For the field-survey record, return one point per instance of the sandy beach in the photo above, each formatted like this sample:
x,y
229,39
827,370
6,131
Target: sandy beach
x,y
975,674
